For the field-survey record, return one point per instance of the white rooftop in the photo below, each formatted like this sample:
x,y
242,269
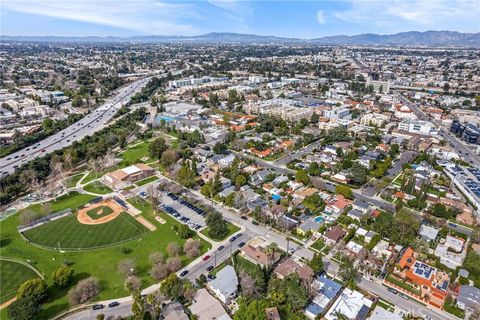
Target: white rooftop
x,y
131,170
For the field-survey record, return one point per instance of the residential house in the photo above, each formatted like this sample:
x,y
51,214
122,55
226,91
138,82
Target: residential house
x,y
451,252
428,233
379,313
226,192
350,303
334,234
468,298
276,210
174,311
259,177
225,285
326,291
288,266
354,250
361,205
226,161
256,252
308,226
206,307
337,204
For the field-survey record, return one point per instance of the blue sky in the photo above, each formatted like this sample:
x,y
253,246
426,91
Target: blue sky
x,y
304,19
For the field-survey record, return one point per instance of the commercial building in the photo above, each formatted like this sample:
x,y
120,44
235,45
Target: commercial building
x,y
419,127
122,178
374,119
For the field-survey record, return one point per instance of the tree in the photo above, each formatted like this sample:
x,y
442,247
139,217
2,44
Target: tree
x,y
133,283
314,118
159,271
217,227
439,210
174,264
157,147
127,267
173,249
192,248
85,290
33,288
251,310
296,295
169,157
219,148
345,191
62,276
240,180
302,176
186,176
314,169
405,227
184,232
347,272
172,287
316,263
23,309
358,174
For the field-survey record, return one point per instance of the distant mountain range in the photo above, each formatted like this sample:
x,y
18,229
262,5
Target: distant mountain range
x,y
413,38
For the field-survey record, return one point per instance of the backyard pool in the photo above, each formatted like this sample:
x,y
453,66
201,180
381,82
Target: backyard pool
x,y
319,219
276,197
166,118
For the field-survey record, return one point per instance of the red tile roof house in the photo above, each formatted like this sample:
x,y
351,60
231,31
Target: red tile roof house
x,y
337,204
334,234
255,252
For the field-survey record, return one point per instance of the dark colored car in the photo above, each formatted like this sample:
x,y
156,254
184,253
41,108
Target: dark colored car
x,y
221,248
98,307
184,273
113,304
241,244
244,217
210,268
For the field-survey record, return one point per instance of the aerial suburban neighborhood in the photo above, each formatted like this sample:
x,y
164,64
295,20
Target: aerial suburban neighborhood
x,y
239,177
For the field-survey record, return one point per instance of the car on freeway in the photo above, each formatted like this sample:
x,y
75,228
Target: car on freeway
x,y
113,304
232,239
183,273
206,258
221,248
241,244
98,307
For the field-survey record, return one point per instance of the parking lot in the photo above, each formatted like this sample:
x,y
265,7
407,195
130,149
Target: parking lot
x,y
183,211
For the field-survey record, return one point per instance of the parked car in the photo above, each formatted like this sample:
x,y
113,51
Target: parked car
x,y
98,307
113,304
184,273
210,268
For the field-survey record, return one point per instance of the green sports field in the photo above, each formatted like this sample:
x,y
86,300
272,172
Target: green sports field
x,y
71,234
97,187
12,275
99,212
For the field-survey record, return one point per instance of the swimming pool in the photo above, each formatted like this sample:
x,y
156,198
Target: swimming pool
x,y
166,118
276,197
319,219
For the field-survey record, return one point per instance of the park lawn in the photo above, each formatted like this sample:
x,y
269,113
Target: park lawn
x,y
99,212
12,275
72,200
146,180
134,154
72,181
231,230
318,244
97,187
70,234
101,263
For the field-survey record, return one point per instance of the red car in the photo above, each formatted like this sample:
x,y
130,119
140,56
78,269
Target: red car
x,y
206,258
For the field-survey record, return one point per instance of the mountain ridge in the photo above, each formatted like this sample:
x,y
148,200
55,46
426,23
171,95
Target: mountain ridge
x,y
415,38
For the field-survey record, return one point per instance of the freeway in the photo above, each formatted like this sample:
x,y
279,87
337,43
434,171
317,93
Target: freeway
x,y
88,125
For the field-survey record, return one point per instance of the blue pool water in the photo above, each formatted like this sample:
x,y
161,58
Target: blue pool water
x,y
276,197
319,219
166,118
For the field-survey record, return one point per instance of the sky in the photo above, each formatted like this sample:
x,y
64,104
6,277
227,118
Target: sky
x,y
300,18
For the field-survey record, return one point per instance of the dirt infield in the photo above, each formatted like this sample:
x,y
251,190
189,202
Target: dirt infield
x,y
84,218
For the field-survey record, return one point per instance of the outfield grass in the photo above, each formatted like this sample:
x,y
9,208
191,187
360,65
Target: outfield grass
x,y
12,275
71,234
72,200
146,180
97,187
95,212
101,264
72,181
231,230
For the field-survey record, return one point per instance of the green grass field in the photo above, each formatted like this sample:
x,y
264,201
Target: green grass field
x,y
101,263
73,200
133,154
72,181
231,230
71,234
12,275
97,187
99,212
146,180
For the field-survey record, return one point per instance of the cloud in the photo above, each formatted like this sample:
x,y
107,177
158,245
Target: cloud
x,y
422,14
320,17
146,16
236,10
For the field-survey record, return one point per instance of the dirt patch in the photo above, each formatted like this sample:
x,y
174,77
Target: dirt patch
x,y
146,223
84,217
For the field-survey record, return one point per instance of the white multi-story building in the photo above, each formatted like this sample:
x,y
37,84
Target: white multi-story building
x,y
404,112
418,127
374,119
337,113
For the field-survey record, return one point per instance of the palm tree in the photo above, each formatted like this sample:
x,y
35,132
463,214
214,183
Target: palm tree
x,y
270,250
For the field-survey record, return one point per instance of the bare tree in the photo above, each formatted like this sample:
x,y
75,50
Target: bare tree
x,y
85,290
174,264
133,283
160,271
156,258
192,248
127,267
248,285
29,177
173,249
153,195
